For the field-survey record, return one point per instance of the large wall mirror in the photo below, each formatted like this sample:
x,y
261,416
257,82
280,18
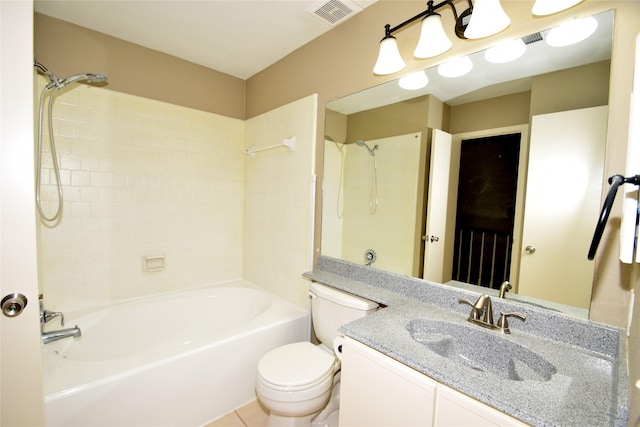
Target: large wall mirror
x,y
470,181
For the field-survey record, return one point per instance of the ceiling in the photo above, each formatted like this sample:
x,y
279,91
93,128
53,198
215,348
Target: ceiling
x,y
240,37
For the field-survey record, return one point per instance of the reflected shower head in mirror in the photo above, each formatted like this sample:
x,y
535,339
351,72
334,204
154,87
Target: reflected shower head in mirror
x,y
372,151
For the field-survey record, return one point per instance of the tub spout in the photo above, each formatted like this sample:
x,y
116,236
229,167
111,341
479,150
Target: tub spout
x,y
48,337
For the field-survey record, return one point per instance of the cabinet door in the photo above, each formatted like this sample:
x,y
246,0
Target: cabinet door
x,y
379,391
455,409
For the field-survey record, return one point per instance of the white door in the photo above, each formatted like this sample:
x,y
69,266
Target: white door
x,y
21,391
564,186
442,198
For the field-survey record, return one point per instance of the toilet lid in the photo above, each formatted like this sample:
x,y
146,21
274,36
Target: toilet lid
x,y
295,365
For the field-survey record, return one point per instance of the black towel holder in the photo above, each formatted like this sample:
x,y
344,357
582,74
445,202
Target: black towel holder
x,y
615,181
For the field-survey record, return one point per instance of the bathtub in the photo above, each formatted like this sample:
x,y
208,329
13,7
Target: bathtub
x,y
179,359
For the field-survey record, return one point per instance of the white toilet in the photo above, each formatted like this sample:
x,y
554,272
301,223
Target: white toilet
x,y
296,381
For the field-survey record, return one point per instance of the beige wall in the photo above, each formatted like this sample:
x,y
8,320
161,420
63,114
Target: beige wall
x,y
491,113
67,49
564,90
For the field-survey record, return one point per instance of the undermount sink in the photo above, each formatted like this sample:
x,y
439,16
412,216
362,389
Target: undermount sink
x,y
482,350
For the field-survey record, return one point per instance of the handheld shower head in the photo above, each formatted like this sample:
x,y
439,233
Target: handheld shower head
x,y
88,77
372,151
56,82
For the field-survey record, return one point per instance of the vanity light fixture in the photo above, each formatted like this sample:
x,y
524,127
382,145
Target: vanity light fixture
x,y
505,52
457,67
482,19
414,81
572,32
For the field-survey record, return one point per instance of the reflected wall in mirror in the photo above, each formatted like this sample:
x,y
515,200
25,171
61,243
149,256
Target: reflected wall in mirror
x,y
515,108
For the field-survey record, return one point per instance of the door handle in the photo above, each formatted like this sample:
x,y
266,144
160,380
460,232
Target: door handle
x,y
13,304
434,239
530,250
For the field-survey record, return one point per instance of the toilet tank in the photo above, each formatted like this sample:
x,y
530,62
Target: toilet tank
x,y
332,308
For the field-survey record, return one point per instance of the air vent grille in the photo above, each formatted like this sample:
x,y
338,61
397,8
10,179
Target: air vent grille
x,y
333,11
532,38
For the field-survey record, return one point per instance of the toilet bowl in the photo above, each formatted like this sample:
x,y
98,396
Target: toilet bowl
x,y
294,382
299,382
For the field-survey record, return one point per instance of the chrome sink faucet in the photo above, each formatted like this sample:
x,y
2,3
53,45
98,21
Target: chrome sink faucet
x,y
46,316
482,314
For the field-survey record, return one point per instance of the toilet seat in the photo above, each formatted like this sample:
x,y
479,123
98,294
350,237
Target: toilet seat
x,y
296,367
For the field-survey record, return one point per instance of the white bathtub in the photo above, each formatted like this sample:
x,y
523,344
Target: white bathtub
x,y
180,359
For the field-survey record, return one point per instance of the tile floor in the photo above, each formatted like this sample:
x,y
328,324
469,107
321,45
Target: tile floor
x,y
250,415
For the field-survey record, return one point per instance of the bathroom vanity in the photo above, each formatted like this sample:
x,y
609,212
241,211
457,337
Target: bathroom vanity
x,y
418,361
396,395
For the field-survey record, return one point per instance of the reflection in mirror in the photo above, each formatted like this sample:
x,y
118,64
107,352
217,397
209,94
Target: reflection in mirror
x,y
465,178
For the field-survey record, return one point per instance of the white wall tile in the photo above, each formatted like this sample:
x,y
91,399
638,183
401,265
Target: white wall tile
x,y
140,177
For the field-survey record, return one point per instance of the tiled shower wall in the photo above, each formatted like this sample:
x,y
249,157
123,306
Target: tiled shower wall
x,y
278,187
141,178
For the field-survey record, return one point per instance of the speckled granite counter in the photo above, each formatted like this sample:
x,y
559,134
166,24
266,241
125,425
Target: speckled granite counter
x,y
589,387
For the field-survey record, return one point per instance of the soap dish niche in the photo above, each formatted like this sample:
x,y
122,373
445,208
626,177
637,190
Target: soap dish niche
x,y
153,263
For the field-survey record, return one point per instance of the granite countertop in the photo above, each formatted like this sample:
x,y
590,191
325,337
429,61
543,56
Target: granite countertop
x,y
589,385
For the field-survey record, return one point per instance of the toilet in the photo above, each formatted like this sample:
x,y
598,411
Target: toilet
x,y
299,383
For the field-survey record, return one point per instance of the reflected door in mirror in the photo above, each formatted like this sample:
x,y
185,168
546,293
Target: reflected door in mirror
x,y
564,188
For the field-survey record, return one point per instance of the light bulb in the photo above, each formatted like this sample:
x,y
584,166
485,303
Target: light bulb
x,y
414,81
572,32
456,67
505,52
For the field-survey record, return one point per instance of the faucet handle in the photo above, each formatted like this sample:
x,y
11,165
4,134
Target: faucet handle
x,y
50,315
474,312
481,310
503,325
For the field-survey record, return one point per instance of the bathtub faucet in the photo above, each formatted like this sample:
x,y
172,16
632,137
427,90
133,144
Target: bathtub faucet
x,y
48,337
46,316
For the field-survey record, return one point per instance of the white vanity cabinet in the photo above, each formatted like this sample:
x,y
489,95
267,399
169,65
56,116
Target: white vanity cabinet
x,y
457,409
379,391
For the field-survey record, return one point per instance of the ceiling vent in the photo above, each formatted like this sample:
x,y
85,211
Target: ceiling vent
x,y
334,11
532,38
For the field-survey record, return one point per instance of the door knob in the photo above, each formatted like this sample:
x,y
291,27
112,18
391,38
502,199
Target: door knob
x,y
434,239
13,304
530,250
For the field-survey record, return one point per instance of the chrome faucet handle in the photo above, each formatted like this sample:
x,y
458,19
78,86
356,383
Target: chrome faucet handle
x,y
47,316
503,325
